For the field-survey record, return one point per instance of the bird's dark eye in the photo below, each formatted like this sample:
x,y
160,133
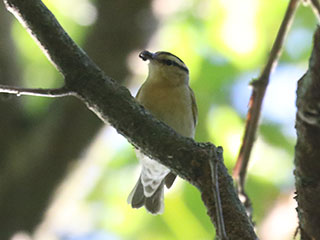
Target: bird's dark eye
x,y
168,62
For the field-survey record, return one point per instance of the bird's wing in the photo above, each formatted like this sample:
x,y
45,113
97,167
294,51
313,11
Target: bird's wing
x,y
194,107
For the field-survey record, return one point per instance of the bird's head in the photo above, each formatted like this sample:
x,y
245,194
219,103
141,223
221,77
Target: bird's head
x,y
164,66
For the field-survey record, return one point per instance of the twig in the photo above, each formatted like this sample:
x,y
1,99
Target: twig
x,y
52,93
315,5
221,232
259,88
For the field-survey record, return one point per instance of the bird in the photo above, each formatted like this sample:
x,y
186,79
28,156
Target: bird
x,y
166,94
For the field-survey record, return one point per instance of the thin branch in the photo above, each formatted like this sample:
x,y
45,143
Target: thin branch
x,y
213,162
315,5
52,93
259,88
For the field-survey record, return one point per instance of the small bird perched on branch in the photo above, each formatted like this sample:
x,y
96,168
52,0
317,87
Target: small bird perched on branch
x,y
167,95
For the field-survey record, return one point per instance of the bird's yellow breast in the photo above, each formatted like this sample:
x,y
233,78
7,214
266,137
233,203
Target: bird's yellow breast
x,y
172,105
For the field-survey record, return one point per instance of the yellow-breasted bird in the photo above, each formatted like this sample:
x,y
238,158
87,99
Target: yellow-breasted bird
x,y
167,95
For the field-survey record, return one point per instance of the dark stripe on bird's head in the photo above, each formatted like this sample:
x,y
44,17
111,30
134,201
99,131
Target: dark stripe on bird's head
x,y
171,60
167,53
165,58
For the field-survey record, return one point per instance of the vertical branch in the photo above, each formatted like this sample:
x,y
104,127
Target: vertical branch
x,y
307,151
259,88
213,162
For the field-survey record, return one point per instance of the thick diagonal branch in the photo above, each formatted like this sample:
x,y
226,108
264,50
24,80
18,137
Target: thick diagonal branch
x,y
114,104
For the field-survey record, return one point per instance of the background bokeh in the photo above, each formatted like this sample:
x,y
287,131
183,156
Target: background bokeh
x,y
225,44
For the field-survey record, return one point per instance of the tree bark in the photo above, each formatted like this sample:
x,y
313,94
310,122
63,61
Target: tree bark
x,y
307,150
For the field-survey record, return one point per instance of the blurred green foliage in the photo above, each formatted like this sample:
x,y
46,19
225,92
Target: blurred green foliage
x,y
220,41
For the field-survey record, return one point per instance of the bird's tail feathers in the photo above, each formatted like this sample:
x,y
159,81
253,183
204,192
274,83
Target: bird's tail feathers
x,y
154,204
136,198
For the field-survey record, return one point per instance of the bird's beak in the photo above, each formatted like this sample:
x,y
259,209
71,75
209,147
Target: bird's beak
x,y
146,55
